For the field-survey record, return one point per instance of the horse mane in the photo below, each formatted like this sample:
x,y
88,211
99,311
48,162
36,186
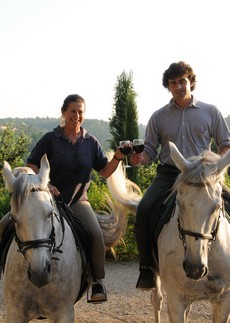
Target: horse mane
x,y
202,170
25,181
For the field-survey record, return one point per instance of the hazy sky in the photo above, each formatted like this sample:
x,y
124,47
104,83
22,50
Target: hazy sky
x,y
53,48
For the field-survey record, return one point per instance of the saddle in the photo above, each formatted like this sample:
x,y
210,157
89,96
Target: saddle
x,y
83,239
163,212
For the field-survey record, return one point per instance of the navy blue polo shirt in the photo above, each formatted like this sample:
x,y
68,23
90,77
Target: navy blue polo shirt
x,y
70,164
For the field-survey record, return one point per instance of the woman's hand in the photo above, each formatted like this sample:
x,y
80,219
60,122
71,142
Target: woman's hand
x,y
119,154
53,190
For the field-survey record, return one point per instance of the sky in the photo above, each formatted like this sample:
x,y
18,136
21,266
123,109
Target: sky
x,y
53,48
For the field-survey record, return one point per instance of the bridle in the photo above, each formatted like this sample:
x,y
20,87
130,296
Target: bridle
x,y
50,242
197,235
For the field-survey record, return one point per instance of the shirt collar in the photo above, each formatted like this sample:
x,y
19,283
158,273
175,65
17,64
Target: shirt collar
x,y
58,131
194,103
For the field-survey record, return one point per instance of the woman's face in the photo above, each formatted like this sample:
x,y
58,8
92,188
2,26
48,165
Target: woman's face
x,y
74,114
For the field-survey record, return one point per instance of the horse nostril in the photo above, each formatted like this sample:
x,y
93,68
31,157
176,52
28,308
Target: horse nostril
x,y
205,271
48,267
185,266
29,274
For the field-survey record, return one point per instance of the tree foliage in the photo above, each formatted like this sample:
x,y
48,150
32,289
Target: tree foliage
x,y
13,148
124,122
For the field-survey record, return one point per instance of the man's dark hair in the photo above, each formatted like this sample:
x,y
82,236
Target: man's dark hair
x,y
176,70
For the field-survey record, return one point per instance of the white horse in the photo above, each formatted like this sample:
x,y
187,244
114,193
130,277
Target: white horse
x,y
194,246
43,279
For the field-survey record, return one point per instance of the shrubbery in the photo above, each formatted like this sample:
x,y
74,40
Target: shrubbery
x,y
14,148
126,248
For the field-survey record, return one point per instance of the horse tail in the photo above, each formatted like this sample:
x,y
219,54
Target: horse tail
x,y
113,223
124,191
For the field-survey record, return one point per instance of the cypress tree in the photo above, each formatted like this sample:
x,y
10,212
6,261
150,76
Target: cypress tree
x,y
123,124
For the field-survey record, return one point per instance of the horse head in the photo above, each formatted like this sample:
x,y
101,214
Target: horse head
x,y
32,210
199,205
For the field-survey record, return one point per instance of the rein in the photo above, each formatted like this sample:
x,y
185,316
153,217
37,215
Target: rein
x,y
197,235
200,184
50,242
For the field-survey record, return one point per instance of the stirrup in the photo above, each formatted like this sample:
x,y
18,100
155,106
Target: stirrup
x,y
89,294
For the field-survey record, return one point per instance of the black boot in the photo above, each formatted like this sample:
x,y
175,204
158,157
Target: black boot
x,y
98,292
146,278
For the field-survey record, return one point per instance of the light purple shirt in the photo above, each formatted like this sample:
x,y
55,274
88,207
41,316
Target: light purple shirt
x,y
191,129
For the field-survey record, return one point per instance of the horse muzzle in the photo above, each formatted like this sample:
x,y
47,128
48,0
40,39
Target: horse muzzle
x,y
193,271
40,277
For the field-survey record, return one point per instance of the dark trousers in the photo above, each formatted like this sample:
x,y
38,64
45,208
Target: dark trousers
x,y
149,210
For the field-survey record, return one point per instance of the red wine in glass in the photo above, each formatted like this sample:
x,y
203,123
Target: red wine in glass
x,y
138,145
138,148
125,148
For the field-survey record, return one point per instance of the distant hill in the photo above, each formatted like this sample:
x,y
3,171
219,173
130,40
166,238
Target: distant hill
x,y
36,127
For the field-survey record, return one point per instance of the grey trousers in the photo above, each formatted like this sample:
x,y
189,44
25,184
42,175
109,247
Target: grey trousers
x,y
3,224
83,210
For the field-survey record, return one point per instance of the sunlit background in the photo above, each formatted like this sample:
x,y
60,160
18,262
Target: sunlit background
x,y
53,48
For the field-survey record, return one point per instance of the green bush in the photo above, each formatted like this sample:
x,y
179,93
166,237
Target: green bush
x,y
126,250
227,179
4,202
13,149
97,192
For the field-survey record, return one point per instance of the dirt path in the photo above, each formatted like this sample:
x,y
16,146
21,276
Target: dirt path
x,y
125,303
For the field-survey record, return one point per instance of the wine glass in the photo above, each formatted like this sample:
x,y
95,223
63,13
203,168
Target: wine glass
x,y
125,148
138,146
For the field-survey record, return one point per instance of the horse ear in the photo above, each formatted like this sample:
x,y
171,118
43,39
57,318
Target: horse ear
x,y
223,162
178,158
8,176
44,172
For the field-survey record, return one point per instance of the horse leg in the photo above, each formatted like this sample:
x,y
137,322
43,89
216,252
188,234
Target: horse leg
x,y
66,316
221,311
177,309
11,318
187,312
157,299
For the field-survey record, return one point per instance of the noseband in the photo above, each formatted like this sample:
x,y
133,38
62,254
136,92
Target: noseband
x,y
50,242
197,235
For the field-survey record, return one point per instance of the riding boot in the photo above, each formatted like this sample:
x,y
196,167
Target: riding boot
x,y
98,292
147,278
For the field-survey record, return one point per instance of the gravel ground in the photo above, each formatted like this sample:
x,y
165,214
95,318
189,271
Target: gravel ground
x,y
125,303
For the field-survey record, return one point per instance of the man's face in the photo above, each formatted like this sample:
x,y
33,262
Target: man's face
x,y
180,87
